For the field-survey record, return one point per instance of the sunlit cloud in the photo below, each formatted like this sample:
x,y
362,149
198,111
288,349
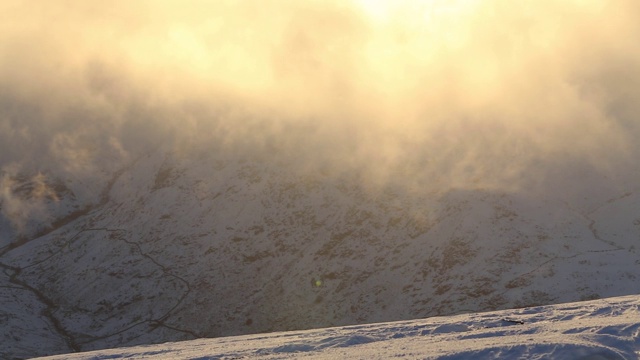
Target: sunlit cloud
x,y
425,94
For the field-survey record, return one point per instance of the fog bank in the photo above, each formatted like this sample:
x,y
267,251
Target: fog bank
x,y
529,96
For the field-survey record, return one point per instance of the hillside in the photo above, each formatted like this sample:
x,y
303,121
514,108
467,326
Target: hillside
x,y
183,246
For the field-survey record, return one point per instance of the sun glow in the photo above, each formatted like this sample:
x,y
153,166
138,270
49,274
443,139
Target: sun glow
x,y
383,10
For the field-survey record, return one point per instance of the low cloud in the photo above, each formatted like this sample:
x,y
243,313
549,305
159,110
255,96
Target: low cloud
x,y
430,95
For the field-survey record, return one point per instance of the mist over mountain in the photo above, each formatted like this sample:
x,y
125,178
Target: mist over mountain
x,y
170,171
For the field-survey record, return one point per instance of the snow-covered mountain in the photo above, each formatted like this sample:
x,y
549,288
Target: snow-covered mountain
x,y
182,245
177,170
597,329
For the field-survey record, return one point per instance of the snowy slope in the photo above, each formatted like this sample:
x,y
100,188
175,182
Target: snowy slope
x,y
172,172
178,246
599,329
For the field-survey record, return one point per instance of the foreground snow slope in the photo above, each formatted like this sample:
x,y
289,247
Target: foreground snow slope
x,y
598,329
